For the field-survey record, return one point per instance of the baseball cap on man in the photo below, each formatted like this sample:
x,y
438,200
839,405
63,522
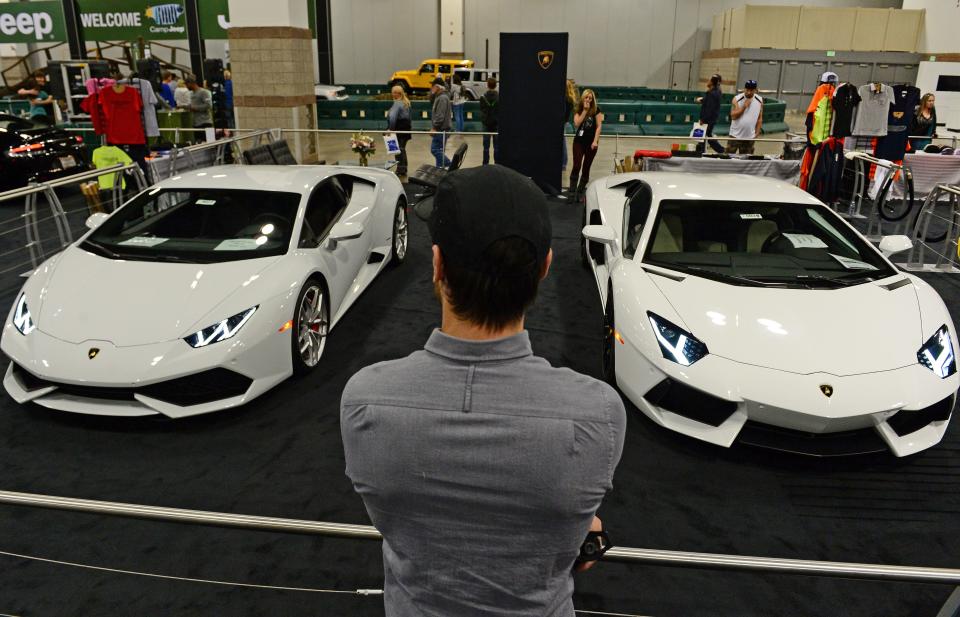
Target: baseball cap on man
x,y
473,208
438,81
750,83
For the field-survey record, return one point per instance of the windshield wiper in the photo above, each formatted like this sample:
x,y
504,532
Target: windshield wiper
x,y
731,277
99,248
819,278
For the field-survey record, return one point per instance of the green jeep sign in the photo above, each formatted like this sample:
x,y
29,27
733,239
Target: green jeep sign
x,y
127,20
32,22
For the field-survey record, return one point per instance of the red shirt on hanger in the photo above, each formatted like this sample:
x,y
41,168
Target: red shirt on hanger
x,y
122,110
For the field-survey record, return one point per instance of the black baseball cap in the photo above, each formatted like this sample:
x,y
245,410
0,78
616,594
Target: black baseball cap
x,y
750,83
475,207
438,81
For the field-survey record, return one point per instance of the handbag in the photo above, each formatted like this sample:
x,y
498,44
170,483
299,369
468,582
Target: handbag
x,y
699,130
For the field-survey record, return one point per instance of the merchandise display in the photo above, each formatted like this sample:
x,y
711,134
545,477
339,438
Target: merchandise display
x,y
731,317
235,275
870,119
893,145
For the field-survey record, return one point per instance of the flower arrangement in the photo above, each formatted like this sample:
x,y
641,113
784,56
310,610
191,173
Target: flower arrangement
x,y
363,145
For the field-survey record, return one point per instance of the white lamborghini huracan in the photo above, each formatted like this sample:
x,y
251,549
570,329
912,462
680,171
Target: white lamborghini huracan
x,y
204,291
743,308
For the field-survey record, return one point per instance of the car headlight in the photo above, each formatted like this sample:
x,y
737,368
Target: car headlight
x,y
937,354
22,320
220,331
676,344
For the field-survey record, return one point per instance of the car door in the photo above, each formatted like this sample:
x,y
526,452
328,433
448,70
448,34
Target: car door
x,y
340,261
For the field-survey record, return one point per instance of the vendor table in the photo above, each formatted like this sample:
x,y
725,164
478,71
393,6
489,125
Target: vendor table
x,y
929,170
788,171
160,166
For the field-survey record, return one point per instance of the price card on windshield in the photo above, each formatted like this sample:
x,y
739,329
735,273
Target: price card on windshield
x,y
146,241
852,264
805,241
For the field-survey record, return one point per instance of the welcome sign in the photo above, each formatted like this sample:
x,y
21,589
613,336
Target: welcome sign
x,y
32,22
127,20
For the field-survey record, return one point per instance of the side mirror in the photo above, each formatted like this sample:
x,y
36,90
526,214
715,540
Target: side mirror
x,y
599,233
343,231
96,219
891,245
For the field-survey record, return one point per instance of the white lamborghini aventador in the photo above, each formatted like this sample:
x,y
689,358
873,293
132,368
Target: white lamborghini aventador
x,y
743,308
202,292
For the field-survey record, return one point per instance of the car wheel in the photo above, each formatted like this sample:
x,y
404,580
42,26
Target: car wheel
x,y
311,323
609,356
400,232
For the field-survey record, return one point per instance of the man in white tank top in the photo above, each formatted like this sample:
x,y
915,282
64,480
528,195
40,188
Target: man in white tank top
x,y
746,119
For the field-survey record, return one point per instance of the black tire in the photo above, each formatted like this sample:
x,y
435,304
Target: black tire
x,y
321,328
399,243
608,357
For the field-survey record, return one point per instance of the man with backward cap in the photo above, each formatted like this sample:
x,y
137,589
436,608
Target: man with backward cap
x,y
482,466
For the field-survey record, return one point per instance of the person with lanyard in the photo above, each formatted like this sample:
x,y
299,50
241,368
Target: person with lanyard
x,y
710,113
587,122
924,122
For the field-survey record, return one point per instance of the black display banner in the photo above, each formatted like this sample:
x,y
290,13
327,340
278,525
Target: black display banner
x,y
533,73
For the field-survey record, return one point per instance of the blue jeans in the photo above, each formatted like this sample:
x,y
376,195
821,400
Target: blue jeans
x,y
486,149
436,149
458,117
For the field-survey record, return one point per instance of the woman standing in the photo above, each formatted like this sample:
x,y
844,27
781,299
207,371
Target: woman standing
x,y
924,123
587,122
570,99
399,120
457,98
710,113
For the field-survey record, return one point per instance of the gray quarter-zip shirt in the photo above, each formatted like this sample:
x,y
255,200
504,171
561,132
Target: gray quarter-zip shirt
x,y
482,466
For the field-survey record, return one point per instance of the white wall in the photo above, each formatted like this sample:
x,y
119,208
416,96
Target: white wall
x,y
940,28
612,42
250,13
374,38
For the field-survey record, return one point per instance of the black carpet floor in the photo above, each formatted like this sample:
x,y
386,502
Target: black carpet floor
x,y
282,456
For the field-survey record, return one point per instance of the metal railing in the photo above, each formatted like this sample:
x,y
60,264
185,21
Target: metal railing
x,y
31,222
709,561
943,244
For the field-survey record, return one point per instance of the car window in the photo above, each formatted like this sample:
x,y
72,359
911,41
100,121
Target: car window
x,y
635,213
426,68
765,242
198,226
444,68
326,204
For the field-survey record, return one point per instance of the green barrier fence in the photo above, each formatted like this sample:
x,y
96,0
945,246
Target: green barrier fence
x,y
15,107
627,111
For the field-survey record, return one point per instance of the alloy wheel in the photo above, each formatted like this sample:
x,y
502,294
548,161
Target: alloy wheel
x,y
400,233
314,322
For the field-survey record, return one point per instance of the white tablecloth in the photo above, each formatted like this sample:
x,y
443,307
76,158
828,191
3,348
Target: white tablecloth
x,y
774,168
928,170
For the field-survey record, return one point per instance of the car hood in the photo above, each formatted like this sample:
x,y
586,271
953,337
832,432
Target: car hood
x,y
865,328
130,303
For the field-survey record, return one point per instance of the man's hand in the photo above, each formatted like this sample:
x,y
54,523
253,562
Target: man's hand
x,y
596,525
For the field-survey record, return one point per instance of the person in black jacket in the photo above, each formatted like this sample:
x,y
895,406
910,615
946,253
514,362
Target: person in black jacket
x,y
710,113
489,111
398,119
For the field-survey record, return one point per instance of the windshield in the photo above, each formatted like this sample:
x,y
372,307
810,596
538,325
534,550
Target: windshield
x,y
198,225
761,243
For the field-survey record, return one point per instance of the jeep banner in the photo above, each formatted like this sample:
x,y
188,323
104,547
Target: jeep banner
x,y
32,22
127,20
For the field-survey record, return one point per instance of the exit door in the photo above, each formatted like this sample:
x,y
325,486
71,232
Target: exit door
x,y
680,75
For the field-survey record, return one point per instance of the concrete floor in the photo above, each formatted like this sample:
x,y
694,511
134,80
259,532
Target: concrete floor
x,y
335,147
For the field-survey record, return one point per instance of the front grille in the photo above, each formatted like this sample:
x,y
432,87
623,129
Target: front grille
x,y
908,421
690,403
206,387
843,443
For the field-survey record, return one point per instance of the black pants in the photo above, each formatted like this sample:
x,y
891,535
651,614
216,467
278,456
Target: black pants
x,y
201,136
714,144
583,154
402,157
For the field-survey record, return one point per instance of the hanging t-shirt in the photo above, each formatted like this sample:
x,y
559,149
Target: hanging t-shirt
x,y
872,112
745,127
894,145
108,156
150,101
122,113
820,114
845,101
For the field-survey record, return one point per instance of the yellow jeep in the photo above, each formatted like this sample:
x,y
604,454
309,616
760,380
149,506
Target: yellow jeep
x,y
420,79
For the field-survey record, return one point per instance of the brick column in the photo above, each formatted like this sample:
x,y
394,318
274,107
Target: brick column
x,y
273,83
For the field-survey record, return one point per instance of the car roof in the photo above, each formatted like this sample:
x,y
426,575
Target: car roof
x,y
716,187
447,61
285,178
